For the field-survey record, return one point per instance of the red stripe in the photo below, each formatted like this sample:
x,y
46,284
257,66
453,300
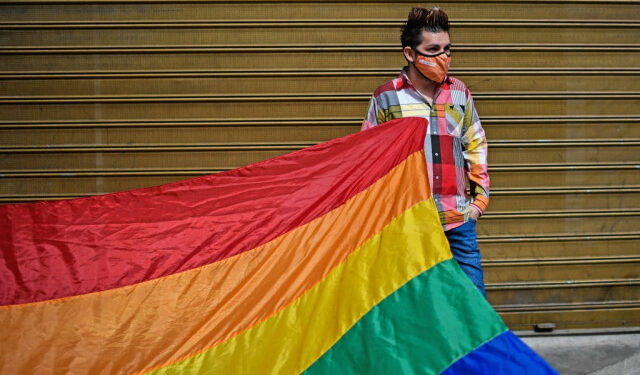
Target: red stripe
x,y
65,248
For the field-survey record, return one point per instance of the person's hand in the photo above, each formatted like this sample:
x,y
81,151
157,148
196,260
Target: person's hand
x,y
474,212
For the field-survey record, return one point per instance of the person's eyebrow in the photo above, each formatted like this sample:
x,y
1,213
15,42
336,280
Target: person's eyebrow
x,y
436,45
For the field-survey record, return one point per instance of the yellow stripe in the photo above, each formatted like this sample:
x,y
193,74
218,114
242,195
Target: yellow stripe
x,y
291,340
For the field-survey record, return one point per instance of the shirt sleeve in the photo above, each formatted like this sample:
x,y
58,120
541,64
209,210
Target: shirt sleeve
x,y
475,154
371,119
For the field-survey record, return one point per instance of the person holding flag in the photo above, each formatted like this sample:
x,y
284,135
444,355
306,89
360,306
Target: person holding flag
x,y
455,136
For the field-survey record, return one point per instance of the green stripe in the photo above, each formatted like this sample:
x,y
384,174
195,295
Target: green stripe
x,y
423,327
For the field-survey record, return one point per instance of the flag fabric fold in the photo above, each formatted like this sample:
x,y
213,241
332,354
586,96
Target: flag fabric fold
x,y
330,259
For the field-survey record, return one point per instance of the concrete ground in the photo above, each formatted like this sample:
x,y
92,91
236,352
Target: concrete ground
x,y
588,352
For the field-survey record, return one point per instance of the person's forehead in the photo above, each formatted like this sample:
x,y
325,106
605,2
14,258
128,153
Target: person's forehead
x,y
429,38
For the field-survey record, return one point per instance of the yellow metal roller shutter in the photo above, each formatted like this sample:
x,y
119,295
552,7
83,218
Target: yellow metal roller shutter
x,y
104,96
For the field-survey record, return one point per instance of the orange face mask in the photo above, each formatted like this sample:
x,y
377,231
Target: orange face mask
x,y
434,67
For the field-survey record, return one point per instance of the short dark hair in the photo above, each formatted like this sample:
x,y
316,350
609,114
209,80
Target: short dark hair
x,y
421,19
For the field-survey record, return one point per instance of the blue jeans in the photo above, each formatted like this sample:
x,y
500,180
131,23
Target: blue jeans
x,y
464,248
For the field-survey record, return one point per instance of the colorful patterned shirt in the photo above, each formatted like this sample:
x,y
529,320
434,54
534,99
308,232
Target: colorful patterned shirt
x,y
454,135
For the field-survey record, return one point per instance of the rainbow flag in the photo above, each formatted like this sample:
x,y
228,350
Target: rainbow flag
x,y
326,260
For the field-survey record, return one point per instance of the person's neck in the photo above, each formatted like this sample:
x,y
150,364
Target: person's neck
x,y
425,86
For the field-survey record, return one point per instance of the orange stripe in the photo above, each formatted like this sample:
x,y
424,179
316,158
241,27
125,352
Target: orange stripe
x,y
162,320
453,217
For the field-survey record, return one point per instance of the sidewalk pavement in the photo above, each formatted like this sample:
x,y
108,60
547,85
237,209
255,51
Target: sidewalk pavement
x,y
588,352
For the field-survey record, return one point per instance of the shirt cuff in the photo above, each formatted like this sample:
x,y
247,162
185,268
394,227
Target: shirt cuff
x,y
481,202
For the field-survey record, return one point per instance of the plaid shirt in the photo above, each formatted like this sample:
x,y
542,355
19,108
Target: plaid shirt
x,y
455,137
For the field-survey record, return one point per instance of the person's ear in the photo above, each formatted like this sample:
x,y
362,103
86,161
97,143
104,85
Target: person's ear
x,y
408,54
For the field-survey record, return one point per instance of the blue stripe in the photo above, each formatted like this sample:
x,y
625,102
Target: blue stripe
x,y
504,354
